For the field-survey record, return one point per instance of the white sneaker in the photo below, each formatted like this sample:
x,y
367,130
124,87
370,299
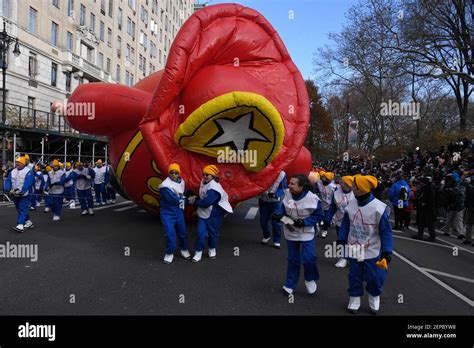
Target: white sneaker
x,y
91,211
102,203
46,210
29,224
19,228
212,253
168,258
324,234
197,256
354,304
84,212
374,303
265,240
185,254
56,218
277,245
287,291
72,205
109,201
341,263
32,208
113,201
311,286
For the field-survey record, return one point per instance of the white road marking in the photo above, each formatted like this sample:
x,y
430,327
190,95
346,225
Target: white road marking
x,y
424,242
436,280
126,208
449,275
251,213
142,211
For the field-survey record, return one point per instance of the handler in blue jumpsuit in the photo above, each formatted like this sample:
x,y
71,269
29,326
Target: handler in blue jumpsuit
x,y
300,211
172,203
55,189
268,202
18,183
83,176
212,205
367,231
38,187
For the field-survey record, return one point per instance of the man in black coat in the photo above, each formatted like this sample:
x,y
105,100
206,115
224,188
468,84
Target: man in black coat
x,y
425,209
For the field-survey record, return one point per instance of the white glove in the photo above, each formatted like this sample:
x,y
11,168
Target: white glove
x,y
287,220
88,177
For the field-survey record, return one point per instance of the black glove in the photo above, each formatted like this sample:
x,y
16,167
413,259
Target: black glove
x,y
271,195
299,223
276,217
385,255
340,242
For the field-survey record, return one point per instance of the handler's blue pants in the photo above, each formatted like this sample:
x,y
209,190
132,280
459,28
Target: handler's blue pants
x,y
301,253
366,271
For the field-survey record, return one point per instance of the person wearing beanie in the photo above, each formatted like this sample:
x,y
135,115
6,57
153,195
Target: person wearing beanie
x,y
212,204
47,198
18,183
341,198
366,229
55,189
70,187
300,211
399,196
99,183
325,188
268,202
83,176
172,204
38,186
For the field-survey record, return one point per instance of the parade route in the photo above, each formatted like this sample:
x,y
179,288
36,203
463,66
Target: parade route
x,y
111,263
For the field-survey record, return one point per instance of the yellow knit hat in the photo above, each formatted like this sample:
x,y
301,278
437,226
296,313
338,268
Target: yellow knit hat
x,y
348,180
327,175
99,161
21,160
78,163
55,163
27,157
365,183
48,168
61,165
68,164
210,169
174,166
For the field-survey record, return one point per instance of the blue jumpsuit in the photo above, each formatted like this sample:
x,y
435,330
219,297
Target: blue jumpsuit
x,y
266,211
22,204
172,218
85,196
367,270
209,228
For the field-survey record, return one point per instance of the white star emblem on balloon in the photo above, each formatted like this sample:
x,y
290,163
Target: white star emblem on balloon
x,y
238,131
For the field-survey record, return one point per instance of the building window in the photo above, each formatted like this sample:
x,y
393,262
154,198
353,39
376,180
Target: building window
x,y
100,60
154,6
102,31
82,15
159,56
143,14
54,33
107,66
68,81
161,35
102,7
109,37
132,79
32,66
31,106
111,8
117,73
119,18
32,23
119,46
131,4
70,8
56,3
127,78
92,23
69,41
54,74
6,8
131,27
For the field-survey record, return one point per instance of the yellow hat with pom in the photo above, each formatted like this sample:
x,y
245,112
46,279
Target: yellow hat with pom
x,y
365,183
55,163
68,164
99,161
175,167
21,160
348,180
211,169
328,175
48,168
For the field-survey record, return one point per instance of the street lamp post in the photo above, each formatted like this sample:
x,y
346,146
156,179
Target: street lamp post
x,y
5,42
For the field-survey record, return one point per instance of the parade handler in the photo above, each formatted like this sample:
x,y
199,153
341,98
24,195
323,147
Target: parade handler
x,y
83,176
300,211
268,203
18,183
212,205
367,230
55,189
172,203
